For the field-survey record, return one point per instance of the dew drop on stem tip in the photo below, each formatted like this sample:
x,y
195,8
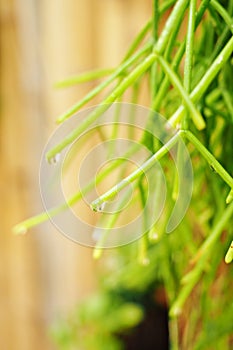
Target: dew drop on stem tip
x,y
98,207
55,159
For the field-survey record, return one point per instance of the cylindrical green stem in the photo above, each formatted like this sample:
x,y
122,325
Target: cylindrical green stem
x,y
120,70
96,204
105,105
40,218
177,12
209,157
177,59
221,10
188,64
195,114
83,77
209,76
191,279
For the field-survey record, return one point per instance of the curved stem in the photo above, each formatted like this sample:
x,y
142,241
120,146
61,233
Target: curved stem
x,y
111,221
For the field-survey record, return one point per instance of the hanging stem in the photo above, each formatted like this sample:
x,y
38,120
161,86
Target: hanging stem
x,y
177,59
160,10
195,114
143,241
188,64
192,278
209,157
154,68
204,83
103,107
84,77
223,13
109,224
22,227
164,37
118,72
134,175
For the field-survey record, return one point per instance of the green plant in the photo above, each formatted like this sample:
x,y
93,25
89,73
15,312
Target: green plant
x,y
191,84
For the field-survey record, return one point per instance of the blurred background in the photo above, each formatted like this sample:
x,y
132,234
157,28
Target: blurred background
x,y
43,274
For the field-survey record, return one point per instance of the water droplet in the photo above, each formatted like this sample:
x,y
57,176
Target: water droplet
x,y
101,206
55,159
20,230
98,207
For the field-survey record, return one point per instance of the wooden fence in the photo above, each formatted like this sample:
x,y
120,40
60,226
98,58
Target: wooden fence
x,y
43,274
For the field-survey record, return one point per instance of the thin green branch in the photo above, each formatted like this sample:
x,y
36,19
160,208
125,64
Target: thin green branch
x,y
223,13
154,68
195,114
137,41
119,90
119,71
155,21
127,61
178,11
143,242
207,247
161,9
209,158
96,204
109,224
22,227
104,106
84,77
205,251
206,80
188,64
177,59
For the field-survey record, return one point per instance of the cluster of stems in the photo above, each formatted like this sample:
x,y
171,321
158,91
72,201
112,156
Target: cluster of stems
x,y
153,52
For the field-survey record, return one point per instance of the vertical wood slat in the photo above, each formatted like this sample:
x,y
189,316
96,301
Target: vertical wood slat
x,y
21,315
